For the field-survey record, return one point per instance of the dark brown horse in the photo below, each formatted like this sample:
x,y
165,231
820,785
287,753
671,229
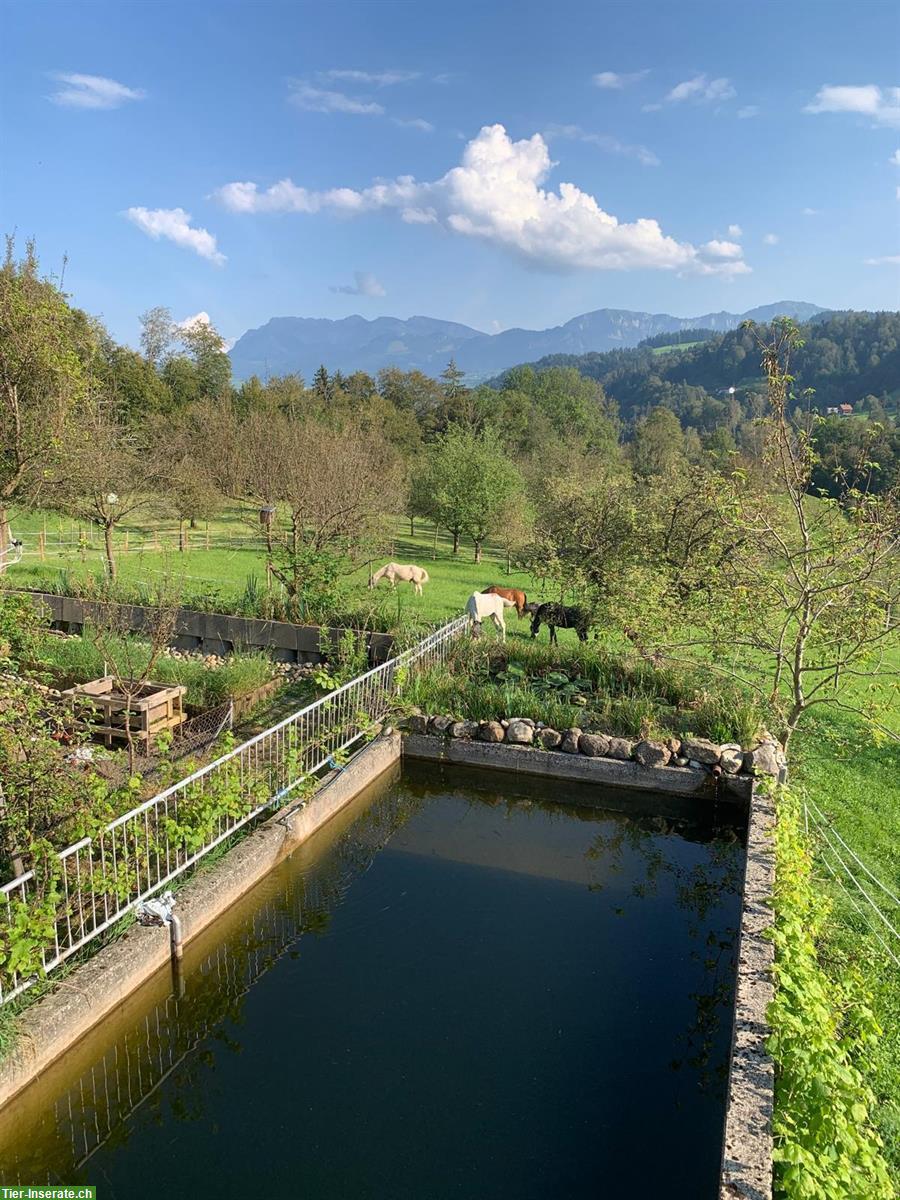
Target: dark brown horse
x,y
518,597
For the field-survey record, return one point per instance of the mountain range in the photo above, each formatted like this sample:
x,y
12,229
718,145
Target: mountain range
x,y
286,345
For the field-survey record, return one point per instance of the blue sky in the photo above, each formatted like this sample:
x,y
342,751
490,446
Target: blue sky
x,y
497,164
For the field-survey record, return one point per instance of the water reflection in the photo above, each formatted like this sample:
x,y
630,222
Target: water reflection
x,y
95,1109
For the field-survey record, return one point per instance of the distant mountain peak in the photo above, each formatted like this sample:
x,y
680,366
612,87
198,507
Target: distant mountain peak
x,y
298,345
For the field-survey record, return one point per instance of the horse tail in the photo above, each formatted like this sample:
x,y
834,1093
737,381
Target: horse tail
x,y
424,578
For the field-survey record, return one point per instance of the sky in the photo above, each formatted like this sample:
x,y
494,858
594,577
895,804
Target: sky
x,y
498,164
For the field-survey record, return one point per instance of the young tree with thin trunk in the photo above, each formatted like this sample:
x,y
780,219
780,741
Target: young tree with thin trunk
x,y
808,602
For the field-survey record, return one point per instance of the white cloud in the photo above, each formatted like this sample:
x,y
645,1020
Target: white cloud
x,y
770,239
720,249
174,224
376,78
702,90
735,231
748,111
894,160
605,141
898,193
811,212
867,100
93,91
366,285
496,195
313,99
615,81
414,123
888,260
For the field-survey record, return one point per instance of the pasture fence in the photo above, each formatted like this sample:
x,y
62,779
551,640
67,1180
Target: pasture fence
x,y
55,909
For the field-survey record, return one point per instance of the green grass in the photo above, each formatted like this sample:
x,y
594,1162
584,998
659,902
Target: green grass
x,y
856,785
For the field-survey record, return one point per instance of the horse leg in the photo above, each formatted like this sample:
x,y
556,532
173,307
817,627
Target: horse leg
x,y
501,626
553,641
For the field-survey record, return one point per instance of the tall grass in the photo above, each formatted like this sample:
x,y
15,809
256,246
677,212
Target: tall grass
x,y
585,686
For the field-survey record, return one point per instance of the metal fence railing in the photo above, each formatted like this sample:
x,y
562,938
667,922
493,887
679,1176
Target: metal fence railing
x,y
89,886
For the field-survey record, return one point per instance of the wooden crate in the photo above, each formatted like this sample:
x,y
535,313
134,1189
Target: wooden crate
x,y
155,707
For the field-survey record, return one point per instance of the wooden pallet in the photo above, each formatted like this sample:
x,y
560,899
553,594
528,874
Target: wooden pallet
x,y
155,708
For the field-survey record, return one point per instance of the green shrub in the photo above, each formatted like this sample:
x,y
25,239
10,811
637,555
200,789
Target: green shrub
x,y
826,1147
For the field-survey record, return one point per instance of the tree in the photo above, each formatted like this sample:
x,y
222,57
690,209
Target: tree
x,y
157,334
330,486
658,446
109,472
452,378
44,345
811,600
206,348
471,481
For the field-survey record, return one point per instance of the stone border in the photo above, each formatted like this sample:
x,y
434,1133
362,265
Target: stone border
x,y
747,1147
606,772
53,1024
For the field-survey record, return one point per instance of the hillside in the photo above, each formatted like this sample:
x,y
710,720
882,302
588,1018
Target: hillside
x,y
846,357
298,345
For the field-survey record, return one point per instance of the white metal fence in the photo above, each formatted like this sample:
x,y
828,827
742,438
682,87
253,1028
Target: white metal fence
x,y
90,885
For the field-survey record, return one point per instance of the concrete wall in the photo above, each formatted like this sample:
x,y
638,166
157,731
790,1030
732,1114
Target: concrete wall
x,y
552,764
49,1028
217,633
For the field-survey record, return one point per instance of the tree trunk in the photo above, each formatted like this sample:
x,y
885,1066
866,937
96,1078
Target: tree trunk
x,y
434,543
456,541
193,522
181,546
477,550
4,536
412,526
110,555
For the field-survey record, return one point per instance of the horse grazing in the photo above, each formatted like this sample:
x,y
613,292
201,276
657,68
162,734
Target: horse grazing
x,y
519,599
558,616
405,572
481,605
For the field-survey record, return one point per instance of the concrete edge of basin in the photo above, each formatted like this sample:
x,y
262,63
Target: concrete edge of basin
x,y
606,772
746,1172
747,1145
59,1019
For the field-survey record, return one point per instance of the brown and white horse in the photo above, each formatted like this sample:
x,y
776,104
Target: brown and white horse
x,y
518,597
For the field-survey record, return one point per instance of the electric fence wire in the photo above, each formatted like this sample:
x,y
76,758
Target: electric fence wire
x,y
853,879
862,912
825,822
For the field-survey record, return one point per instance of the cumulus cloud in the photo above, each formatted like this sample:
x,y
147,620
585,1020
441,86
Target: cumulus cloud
x,y
496,195
867,100
770,239
366,285
93,91
200,318
721,249
373,78
313,99
748,110
887,260
735,231
414,123
613,80
174,224
604,141
701,90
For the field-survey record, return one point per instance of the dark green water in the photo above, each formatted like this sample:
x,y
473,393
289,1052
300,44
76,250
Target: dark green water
x,y
465,994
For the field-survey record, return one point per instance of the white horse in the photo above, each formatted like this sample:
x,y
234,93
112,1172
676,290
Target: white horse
x,y
481,605
406,573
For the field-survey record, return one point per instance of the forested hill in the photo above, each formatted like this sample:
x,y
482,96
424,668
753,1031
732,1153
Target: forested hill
x,y
846,357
